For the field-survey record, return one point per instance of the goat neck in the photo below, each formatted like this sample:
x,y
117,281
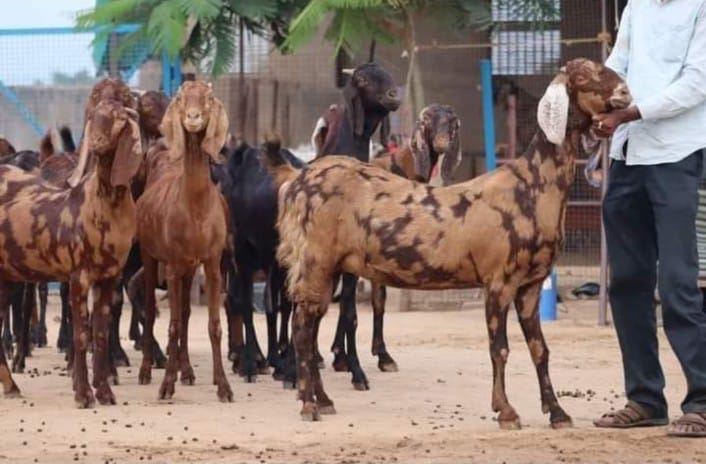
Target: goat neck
x,y
100,182
196,180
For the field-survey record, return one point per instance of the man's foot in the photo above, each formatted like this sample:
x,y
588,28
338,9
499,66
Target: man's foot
x,y
691,424
632,415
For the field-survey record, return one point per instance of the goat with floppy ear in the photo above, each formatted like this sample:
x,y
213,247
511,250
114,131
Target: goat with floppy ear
x,y
182,222
369,96
500,231
81,235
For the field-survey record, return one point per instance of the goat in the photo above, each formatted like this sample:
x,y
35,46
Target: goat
x,y
436,133
151,106
501,231
182,222
252,200
22,297
370,94
81,234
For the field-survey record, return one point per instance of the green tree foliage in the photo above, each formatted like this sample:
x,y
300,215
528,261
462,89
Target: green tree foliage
x,y
202,31
356,22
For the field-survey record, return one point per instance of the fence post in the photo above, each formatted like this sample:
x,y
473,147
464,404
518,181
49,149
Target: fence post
x,y
486,82
171,75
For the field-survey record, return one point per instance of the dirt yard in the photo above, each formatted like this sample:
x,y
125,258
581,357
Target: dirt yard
x,y
435,409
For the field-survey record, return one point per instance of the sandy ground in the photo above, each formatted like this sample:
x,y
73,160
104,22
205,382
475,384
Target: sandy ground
x,y
435,409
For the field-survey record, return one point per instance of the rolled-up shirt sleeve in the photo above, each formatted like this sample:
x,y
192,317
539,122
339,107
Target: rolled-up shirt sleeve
x,y
618,58
689,89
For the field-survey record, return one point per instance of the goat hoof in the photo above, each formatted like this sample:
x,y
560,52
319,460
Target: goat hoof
x,y
158,358
560,420
166,391
509,420
225,394
188,380
388,366
340,364
310,413
105,396
85,400
145,376
361,386
326,408
13,392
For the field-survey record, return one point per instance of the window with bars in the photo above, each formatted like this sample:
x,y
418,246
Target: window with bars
x,y
520,49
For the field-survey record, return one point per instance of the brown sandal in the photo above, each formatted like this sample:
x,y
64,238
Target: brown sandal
x,y
691,424
632,415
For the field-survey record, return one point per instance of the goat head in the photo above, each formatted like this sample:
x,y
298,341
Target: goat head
x,y
370,88
195,110
436,134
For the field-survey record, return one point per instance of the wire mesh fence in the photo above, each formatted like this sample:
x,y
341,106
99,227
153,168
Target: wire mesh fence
x,y
46,75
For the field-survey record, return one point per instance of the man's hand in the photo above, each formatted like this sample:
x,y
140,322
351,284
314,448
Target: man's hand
x,y
605,124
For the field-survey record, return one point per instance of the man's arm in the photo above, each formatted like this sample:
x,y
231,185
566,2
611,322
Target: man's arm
x,y
689,89
618,58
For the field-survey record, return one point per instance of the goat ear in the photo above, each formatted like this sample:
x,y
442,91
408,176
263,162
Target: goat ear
x,y
80,169
355,107
319,135
452,158
128,155
420,151
216,131
171,128
553,110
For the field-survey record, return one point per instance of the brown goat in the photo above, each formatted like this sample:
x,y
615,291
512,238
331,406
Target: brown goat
x,y
81,235
501,231
182,222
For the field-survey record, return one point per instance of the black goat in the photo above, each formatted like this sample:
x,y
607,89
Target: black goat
x,y
346,129
252,199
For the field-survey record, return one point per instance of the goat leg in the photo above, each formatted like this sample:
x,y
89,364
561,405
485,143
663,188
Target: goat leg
x,y
176,284
350,317
117,354
338,348
150,281
212,273
136,295
187,372
103,299
40,335
303,334
385,361
64,339
9,386
27,302
527,306
246,361
83,394
496,308
7,334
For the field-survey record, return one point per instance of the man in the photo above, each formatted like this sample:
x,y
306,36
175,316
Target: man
x,y
650,207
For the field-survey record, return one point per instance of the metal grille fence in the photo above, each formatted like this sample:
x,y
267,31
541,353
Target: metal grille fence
x,y
46,74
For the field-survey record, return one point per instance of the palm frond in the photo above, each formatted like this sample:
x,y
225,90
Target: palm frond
x,y
201,9
166,27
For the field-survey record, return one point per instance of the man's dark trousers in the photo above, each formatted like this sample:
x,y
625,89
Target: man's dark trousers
x,y
649,213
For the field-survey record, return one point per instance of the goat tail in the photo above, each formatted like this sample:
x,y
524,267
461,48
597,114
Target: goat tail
x,y
275,162
67,139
